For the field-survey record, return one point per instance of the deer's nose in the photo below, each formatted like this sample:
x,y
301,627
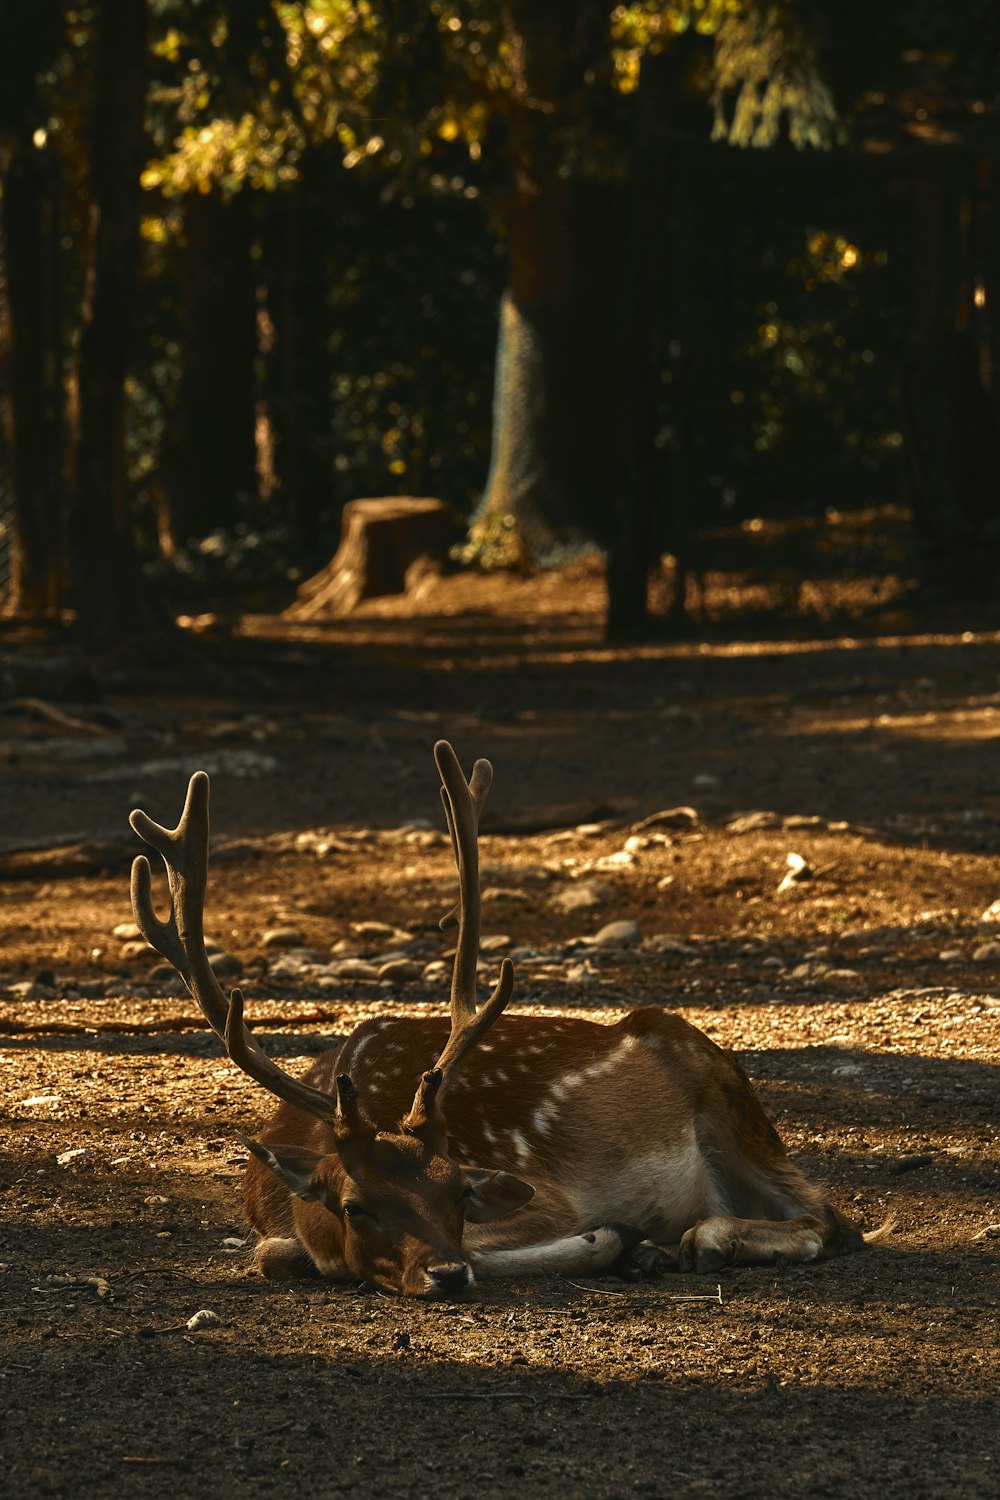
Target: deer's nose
x,y
453,1276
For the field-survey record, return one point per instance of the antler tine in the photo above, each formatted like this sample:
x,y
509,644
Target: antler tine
x,y
463,802
181,940
479,784
247,1053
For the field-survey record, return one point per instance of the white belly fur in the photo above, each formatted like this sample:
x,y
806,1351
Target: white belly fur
x,y
662,1193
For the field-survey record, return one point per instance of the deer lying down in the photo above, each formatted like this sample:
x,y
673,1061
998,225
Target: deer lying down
x,y
426,1155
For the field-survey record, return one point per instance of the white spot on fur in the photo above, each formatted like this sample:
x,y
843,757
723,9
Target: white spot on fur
x,y
519,1145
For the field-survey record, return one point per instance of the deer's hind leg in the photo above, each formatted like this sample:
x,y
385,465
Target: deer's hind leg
x,y
726,1241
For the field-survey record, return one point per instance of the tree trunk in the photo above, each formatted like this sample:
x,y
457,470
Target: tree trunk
x,y
32,416
551,470
210,466
112,601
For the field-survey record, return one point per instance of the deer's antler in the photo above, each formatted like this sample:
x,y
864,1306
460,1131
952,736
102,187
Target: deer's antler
x,y
181,940
463,801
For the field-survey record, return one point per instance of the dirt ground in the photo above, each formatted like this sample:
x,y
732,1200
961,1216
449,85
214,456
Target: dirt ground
x,y
861,998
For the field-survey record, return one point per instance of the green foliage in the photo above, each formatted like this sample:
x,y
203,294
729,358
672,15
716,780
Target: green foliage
x,y
766,65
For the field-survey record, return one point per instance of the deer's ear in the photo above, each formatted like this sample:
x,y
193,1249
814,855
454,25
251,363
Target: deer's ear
x,y
295,1165
493,1194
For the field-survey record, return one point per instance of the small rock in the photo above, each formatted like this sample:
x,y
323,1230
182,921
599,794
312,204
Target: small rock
x,y
76,1154
749,822
286,967
666,942
282,937
992,912
847,1070
622,934
584,895
436,969
621,859
224,965
798,870
373,929
908,1164
809,970
400,970
206,1318
950,955
30,989
156,1200
499,942
986,953
356,968
429,838
670,817
136,948
704,780
500,895
126,931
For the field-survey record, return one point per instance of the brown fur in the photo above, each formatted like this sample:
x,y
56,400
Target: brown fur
x,y
570,1106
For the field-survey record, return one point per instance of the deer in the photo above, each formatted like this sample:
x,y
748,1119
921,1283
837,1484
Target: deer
x,y
427,1155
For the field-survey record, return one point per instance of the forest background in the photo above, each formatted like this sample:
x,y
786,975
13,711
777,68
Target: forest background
x,y
633,277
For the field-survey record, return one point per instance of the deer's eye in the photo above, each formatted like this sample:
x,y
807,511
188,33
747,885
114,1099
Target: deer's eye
x,y
357,1211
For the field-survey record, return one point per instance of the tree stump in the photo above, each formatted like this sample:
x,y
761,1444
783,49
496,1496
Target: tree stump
x,y
380,540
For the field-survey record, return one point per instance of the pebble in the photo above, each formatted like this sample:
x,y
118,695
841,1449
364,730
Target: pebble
x,y
126,931
206,1318
356,968
430,838
950,955
286,967
670,817
666,942
992,912
986,953
136,948
373,929
584,895
501,895
749,822
504,874
225,964
400,970
798,870
624,934
30,989
622,859
282,937
498,943
67,1158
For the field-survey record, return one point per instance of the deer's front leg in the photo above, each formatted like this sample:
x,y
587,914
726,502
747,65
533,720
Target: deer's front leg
x,y
585,1254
